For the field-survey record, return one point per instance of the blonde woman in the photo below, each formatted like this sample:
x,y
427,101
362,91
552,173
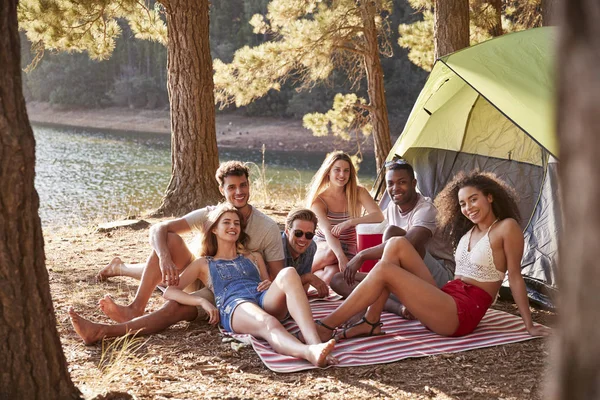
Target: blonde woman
x,y
338,200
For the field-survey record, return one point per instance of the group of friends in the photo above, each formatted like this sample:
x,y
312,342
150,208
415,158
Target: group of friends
x,y
249,277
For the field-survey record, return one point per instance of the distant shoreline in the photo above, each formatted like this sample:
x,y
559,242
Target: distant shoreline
x,y
233,130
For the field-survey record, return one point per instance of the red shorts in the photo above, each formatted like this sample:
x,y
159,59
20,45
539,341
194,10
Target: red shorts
x,y
471,304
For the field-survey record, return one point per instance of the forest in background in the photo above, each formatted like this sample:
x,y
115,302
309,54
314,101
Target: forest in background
x,y
136,74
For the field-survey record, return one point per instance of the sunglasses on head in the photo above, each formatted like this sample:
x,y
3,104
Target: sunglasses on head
x,y
395,161
298,233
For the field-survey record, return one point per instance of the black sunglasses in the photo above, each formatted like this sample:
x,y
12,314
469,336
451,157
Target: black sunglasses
x,y
298,233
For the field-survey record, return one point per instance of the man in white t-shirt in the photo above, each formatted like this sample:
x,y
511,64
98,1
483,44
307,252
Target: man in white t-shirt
x,y
171,255
413,216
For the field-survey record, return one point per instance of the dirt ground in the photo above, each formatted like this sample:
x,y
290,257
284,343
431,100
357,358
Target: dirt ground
x,y
191,360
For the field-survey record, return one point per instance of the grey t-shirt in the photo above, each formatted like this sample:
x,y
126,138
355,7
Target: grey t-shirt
x,y
262,230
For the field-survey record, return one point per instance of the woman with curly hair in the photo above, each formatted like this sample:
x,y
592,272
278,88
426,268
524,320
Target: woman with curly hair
x,y
337,199
479,212
247,301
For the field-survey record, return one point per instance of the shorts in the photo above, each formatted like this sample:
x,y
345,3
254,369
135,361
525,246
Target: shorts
x,y
472,302
230,304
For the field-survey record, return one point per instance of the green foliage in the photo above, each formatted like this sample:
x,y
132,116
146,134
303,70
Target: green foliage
x,y
87,25
349,112
417,36
310,40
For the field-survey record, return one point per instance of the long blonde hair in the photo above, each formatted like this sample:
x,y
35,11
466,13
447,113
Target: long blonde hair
x,y
320,182
208,241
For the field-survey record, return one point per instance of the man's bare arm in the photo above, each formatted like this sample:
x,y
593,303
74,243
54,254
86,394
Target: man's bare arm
x,y
158,240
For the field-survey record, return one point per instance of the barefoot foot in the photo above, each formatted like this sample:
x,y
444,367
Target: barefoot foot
x,y
89,331
320,354
112,269
115,311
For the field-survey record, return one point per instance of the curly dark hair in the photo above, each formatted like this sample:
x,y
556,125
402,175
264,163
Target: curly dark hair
x,y
450,218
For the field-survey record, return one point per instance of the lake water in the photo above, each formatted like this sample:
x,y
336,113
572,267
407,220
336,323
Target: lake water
x,y
86,176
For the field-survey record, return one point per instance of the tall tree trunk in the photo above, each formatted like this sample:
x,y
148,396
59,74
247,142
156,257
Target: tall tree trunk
x,y
194,153
578,353
549,12
375,86
451,26
32,364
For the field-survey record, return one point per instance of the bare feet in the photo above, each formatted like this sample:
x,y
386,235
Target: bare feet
x,y
115,311
89,331
112,269
320,354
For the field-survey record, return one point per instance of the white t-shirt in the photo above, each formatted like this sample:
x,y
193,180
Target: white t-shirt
x,y
423,214
263,232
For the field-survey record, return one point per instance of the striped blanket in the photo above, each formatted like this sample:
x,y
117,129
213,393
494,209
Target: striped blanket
x,y
403,339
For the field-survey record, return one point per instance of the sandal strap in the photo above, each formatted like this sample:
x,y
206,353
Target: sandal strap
x,y
373,324
318,322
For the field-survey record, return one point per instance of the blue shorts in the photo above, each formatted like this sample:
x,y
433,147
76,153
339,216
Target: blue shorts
x,y
226,311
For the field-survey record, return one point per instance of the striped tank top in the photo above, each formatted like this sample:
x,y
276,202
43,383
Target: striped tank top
x,y
347,237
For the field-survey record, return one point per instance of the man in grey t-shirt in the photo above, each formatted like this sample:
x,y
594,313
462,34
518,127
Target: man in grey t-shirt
x,y
171,255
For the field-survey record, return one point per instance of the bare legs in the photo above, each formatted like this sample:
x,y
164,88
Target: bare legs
x,y
403,273
286,293
118,268
325,264
151,277
170,313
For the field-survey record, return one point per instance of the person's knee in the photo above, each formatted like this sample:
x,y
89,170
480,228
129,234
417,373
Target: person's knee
x,y
271,323
339,285
398,244
288,275
382,268
175,312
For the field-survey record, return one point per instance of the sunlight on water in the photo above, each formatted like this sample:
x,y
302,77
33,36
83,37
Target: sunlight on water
x,y
85,176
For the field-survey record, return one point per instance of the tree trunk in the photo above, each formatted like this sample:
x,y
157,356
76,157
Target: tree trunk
x,y
375,87
549,12
32,364
451,26
194,153
577,357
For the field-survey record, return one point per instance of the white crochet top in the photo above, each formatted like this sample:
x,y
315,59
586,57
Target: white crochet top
x,y
478,263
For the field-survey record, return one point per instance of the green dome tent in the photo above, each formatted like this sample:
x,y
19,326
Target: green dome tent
x,y
491,106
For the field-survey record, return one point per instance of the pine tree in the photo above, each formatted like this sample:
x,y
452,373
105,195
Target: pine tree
x,y
485,21
309,41
91,26
32,363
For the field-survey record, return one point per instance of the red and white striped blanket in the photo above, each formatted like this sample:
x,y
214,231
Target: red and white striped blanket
x,y
403,339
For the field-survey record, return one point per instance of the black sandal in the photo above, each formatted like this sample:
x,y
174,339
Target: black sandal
x,y
333,330
298,335
374,325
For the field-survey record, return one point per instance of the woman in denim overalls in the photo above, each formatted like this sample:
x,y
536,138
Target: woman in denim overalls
x,y
247,301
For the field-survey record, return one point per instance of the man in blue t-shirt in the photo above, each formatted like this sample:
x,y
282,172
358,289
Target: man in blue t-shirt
x,y
299,248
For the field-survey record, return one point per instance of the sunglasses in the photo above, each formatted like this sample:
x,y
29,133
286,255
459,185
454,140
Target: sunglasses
x,y
395,161
298,233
